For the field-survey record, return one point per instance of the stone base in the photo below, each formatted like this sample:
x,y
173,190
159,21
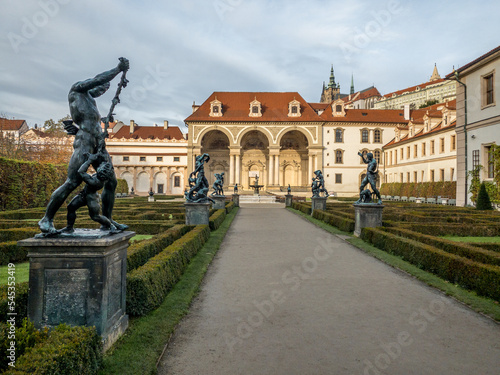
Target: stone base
x,y
318,203
219,201
197,213
367,215
151,199
288,200
80,282
236,200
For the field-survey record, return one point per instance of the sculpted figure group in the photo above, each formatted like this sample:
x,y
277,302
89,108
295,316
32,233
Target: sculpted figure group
x,y
89,149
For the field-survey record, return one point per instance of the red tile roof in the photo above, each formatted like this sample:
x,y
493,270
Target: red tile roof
x,y
421,133
319,106
236,107
6,124
366,115
363,94
468,65
149,132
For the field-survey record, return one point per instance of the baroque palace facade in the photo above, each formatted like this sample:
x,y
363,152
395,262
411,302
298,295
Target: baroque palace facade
x,y
283,139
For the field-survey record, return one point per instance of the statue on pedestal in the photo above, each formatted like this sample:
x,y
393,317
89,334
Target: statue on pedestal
x,y
371,178
89,140
151,192
218,184
198,183
235,188
289,189
318,185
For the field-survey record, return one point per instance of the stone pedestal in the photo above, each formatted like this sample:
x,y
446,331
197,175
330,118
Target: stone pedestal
x,y
288,200
197,213
80,281
151,199
219,201
367,215
236,200
318,203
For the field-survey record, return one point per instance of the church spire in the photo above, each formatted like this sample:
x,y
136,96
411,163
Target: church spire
x,y
435,75
332,79
352,83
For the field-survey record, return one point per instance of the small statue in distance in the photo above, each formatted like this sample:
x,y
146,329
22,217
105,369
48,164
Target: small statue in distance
x,y
318,185
236,188
218,184
289,190
198,183
371,178
151,192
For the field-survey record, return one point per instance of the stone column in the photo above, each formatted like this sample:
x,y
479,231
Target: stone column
x,y
310,167
79,281
231,169
277,170
271,169
238,169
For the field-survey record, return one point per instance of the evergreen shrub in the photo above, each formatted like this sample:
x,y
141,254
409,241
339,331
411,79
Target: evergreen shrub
x,y
483,199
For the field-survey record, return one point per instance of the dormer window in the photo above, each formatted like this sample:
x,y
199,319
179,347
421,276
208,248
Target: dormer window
x,y
255,109
294,108
215,108
338,108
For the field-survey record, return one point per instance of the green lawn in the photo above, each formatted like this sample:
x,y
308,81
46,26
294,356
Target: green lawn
x,y
140,237
22,273
473,239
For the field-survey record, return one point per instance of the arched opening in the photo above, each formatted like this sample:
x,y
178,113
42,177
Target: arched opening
x,y
160,183
293,159
129,177
254,156
142,183
216,144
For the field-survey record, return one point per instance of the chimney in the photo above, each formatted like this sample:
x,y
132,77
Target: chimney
x,y
195,107
132,125
407,112
165,124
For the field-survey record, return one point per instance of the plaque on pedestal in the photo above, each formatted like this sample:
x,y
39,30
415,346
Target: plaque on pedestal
x,y
236,200
197,213
79,280
219,201
288,200
367,215
318,203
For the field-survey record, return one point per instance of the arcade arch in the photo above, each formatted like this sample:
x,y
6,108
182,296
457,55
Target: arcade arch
x,y
216,144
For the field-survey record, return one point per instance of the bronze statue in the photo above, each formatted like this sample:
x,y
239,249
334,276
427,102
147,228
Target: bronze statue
x,y
88,196
89,140
318,185
198,183
236,188
289,190
371,178
218,184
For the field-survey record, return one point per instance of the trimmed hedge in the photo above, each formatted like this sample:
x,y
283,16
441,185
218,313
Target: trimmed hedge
x,y
67,350
148,285
16,234
343,223
21,302
453,247
444,229
302,207
420,189
139,253
11,253
482,278
229,207
217,218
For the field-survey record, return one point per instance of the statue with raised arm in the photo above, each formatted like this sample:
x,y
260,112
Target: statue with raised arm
x,y
89,140
371,178
198,183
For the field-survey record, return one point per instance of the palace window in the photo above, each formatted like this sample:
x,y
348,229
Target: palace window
x,y
255,109
338,178
294,108
159,158
488,89
126,158
415,176
441,145
432,175
423,149
415,151
177,158
339,135
408,152
453,144
215,108
475,159
177,181
377,136
339,157
491,163
441,175
376,155
142,158
407,176
432,147
452,173
364,136
401,156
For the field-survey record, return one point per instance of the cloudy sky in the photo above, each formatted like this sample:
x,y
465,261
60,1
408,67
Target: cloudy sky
x,y
182,51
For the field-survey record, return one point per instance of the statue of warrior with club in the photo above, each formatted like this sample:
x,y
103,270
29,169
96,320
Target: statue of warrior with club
x,y
89,140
